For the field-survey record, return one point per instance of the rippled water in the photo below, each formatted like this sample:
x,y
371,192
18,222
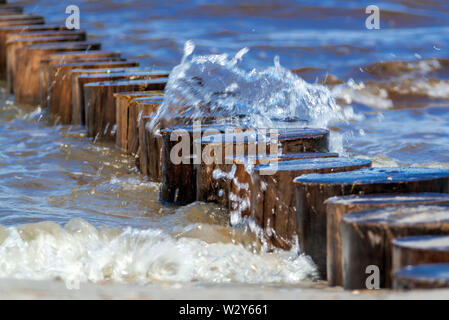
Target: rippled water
x,y
79,211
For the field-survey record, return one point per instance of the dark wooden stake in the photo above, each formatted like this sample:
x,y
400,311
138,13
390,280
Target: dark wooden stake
x,y
79,78
122,104
337,207
367,238
239,197
144,107
419,250
100,103
313,190
273,196
179,177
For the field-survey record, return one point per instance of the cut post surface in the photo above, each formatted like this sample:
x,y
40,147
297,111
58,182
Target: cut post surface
x,y
24,22
31,57
426,276
367,238
337,207
100,103
314,189
20,17
419,250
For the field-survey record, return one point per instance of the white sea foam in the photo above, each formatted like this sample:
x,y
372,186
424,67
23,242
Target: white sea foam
x,y
79,252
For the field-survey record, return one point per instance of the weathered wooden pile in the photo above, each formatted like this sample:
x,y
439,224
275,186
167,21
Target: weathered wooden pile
x,y
347,216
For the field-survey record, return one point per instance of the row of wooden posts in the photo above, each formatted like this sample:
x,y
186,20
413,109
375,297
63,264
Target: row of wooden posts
x,y
348,216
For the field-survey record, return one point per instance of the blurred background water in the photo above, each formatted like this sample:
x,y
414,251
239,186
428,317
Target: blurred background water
x,y
395,79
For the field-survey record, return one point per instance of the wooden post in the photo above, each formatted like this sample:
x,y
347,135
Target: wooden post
x,y
419,250
337,207
30,58
23,23
144,107
179,175
153,147
313,190
79,110
100,104
427,276
72,57
133,118
13,45
236,195
60,88
111,75
273,197
122,104
293,140
5,31
368,235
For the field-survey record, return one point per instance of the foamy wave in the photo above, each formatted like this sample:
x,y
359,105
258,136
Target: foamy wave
x,y
78,252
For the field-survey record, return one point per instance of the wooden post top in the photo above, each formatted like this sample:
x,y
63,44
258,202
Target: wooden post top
x,y
314,164
90,64
390,199
410,217
21,23
78,54
34,27
438,272
119,83
375,175
24,16
428,242
128,73
65,46
244,158
41,40
43,33
133,94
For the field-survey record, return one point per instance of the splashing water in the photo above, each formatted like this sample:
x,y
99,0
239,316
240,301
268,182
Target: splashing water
x,y
216,86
